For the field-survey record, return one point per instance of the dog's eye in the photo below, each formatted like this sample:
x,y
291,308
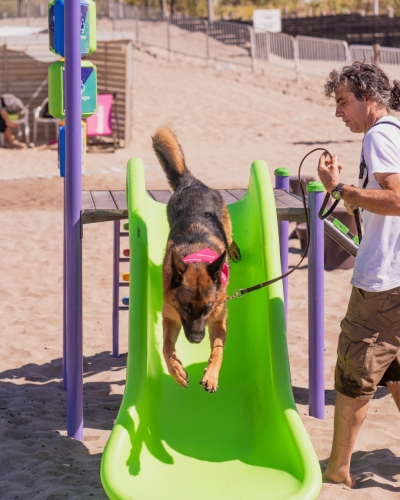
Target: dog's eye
x,y
206,309
187,308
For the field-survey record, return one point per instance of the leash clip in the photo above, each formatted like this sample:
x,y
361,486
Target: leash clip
x,y
237,295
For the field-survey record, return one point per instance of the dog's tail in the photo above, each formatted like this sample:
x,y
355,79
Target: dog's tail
x,y
170,156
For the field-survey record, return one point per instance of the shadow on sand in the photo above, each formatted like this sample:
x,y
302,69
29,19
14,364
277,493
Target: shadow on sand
x,y
374,469
301,395
37,459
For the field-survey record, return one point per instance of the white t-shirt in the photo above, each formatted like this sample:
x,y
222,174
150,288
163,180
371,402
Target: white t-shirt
x,y
377,265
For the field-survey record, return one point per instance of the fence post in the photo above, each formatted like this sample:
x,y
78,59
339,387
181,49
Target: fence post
x,y
377,53
168,40
347,52
316,393
114,16
252,49
28,12
164,8
137,31
296,58
210,10
268,44
207,44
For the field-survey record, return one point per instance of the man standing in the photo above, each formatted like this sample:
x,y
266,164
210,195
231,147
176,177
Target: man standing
x,y
369,343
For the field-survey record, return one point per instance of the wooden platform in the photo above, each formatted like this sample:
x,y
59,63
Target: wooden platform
x,y
102,206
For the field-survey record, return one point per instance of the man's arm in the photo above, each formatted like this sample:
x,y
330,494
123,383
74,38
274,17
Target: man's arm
x,y
381,202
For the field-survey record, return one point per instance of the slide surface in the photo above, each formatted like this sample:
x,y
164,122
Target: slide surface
x,y
246,441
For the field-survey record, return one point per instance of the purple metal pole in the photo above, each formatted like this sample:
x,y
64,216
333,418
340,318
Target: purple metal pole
x,y
316,303
64,366
73,199
282,182
115,306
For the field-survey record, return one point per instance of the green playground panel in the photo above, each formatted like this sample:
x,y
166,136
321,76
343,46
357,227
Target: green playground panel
x,y
57,85
247,440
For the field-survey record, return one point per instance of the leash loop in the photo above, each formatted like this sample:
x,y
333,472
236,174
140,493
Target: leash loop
x,y
242,291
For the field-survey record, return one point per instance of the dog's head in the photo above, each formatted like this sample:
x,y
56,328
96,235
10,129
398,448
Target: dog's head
x,y
196,289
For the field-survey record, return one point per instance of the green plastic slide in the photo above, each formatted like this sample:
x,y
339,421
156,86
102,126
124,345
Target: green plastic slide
x,y
246,441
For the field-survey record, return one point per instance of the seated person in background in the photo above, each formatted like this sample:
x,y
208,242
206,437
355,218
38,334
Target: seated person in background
x,y
6,125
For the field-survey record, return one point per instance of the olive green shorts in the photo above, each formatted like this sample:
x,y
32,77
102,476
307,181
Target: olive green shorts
x,y
369,344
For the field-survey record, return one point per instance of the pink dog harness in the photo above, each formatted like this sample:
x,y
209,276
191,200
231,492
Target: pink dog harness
x,y
207,255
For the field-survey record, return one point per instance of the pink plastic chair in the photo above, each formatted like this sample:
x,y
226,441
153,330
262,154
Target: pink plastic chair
x,y
103,123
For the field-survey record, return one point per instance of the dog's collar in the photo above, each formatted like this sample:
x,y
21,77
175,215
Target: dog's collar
x,y
208,255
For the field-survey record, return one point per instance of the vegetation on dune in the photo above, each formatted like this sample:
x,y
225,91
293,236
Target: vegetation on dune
x,y
243,9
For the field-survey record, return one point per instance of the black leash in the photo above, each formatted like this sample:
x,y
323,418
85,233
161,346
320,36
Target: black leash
x,y
324,214
243,291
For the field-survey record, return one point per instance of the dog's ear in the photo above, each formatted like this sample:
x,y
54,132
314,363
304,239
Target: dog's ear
x,y
214,268
178,269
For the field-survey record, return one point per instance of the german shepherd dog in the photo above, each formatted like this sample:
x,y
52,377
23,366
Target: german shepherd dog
x,y
195,268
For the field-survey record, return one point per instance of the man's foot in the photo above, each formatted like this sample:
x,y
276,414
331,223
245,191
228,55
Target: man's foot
x,y
347,480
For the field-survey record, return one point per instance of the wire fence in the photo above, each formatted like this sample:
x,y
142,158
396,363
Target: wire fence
x,y
390,62
221,41
316,56
365,52
276,48
226,42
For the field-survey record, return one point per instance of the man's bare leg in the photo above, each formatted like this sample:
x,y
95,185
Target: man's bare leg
x,y
349,415
395,392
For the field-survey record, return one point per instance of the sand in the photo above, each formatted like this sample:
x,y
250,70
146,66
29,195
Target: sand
x,y
225,119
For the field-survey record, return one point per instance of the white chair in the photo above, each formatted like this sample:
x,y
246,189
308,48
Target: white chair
x,y
40,118
11,101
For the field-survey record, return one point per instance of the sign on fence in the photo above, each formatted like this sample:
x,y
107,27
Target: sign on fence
x,y
267,20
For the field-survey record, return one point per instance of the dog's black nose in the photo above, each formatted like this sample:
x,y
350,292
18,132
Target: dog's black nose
x,y
195,339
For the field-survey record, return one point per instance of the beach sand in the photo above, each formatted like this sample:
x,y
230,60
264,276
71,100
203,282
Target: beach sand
x,y
224,120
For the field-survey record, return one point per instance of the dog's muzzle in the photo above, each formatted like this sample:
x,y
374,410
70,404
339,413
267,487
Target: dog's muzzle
x,y
193,334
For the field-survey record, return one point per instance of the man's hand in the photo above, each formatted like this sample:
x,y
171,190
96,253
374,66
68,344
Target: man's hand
x,y
350,207
328,171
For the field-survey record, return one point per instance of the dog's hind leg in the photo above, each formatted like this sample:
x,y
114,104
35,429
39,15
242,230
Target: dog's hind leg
x,y
217,340
171,329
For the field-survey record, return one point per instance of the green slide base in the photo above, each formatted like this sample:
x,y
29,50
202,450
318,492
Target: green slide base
x,y
246,441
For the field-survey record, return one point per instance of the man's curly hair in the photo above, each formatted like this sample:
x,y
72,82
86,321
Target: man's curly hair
x,y
366,81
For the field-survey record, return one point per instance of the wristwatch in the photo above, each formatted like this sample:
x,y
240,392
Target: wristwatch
x,y
337,191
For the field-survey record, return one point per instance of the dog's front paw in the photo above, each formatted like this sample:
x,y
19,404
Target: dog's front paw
x,y
210,380
176,369
234,252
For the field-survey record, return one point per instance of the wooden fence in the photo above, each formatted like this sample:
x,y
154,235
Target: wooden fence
x,y
354,28
22,74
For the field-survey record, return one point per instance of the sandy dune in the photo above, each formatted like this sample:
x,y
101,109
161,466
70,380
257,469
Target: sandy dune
x,y
225,119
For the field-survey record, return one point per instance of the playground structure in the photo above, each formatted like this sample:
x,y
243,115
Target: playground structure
x,y
259,446
245,441
100,206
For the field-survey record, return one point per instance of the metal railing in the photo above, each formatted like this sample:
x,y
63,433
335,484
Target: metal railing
x,y
390,62
276,48
315,56
362,52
